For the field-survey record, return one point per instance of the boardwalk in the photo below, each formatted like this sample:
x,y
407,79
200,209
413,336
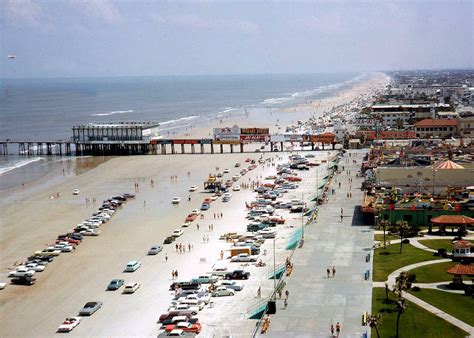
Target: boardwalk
x,y
315,301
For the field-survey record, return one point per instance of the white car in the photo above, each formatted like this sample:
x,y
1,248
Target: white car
x,y
176,200
75,192
35,267
214,198
3,285
177,233
206,298
196,212
186,224
64,248
185,307
226,171
131,287
236,187
243,257
48,252
90,232
194,302
21,271
69,324
219,174
223,291
193,188
231,284
236,177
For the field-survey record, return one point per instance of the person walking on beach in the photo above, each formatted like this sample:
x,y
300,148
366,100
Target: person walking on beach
x,y
333,271
285,303
222,254
172,274
332,330
176,274
287,294
189,247
338,329
204,238
259,292
177,247
328,271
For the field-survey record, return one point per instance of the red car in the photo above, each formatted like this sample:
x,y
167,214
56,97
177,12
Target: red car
x,y
247,160
69,240
293,179
207,200
191,217
277,220
185,326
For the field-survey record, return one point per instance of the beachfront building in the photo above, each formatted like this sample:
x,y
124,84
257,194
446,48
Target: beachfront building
x,y
436,128
466,124
398,114
118,132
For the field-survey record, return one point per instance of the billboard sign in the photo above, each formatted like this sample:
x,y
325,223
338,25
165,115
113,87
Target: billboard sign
x,y
254,138
227,133
254,131
185,141
226,142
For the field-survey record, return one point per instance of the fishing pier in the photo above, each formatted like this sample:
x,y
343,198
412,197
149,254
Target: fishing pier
x,y
134,138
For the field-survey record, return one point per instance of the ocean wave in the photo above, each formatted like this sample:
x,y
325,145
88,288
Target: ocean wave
x,y
18,164
114,112
311,92
187,118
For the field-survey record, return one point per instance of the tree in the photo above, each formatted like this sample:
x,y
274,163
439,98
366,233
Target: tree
x,y
399,123
384,224
374,321
402,227
402,283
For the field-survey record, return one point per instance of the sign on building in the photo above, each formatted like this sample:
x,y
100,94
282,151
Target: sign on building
x,y
255,131
227,133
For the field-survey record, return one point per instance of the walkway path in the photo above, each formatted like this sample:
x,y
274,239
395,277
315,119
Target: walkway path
x,y
316,301
437,286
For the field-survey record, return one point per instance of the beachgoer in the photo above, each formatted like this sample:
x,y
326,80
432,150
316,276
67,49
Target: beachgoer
x,y
338,329
287,294
259,292
285,302
328,271
166,257
332,330
333,271
222,254
197,226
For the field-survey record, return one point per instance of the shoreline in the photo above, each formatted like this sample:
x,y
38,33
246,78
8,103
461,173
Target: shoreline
x,y
288,115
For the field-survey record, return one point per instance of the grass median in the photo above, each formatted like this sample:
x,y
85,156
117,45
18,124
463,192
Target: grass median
x,y
436,244
415,322
457,305
433,273
389,260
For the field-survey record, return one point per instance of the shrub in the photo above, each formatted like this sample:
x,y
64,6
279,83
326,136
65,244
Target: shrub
x,y
416,288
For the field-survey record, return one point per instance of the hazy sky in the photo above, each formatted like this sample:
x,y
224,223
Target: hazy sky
x,y
104,37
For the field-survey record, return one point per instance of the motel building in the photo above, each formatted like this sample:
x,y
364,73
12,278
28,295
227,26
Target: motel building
x,y
436,128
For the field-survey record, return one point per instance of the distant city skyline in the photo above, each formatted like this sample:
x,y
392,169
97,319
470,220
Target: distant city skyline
x,y
147,38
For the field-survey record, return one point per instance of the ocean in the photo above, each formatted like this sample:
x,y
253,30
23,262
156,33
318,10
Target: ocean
x,y
46,109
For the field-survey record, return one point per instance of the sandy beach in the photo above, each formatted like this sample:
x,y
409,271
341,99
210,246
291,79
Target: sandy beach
x,y
31,220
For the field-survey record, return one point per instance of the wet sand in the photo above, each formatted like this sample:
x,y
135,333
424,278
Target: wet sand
x,y
30,220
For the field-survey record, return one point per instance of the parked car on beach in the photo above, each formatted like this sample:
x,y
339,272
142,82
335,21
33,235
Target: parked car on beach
x,y
69,324
90,308
131,287
132,266
115,284
155,249
177,233
222,291
243,257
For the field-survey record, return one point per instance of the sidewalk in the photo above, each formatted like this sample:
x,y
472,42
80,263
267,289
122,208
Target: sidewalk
x,y
316,301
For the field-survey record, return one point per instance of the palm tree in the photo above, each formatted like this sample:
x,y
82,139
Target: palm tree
x,y
374,321
401,284
402,229
401,307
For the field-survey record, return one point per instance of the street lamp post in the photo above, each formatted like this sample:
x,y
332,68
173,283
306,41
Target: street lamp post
x,y
302,216
434,175
274,269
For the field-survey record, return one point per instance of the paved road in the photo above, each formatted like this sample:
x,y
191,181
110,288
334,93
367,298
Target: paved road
x,y
316,301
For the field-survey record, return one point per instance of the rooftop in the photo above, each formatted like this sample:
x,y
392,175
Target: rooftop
x,y
461,269
436,123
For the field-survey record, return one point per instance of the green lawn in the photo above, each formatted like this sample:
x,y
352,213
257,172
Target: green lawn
x,y
388,237
387,261
433,273
415,321
438,244
457,305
